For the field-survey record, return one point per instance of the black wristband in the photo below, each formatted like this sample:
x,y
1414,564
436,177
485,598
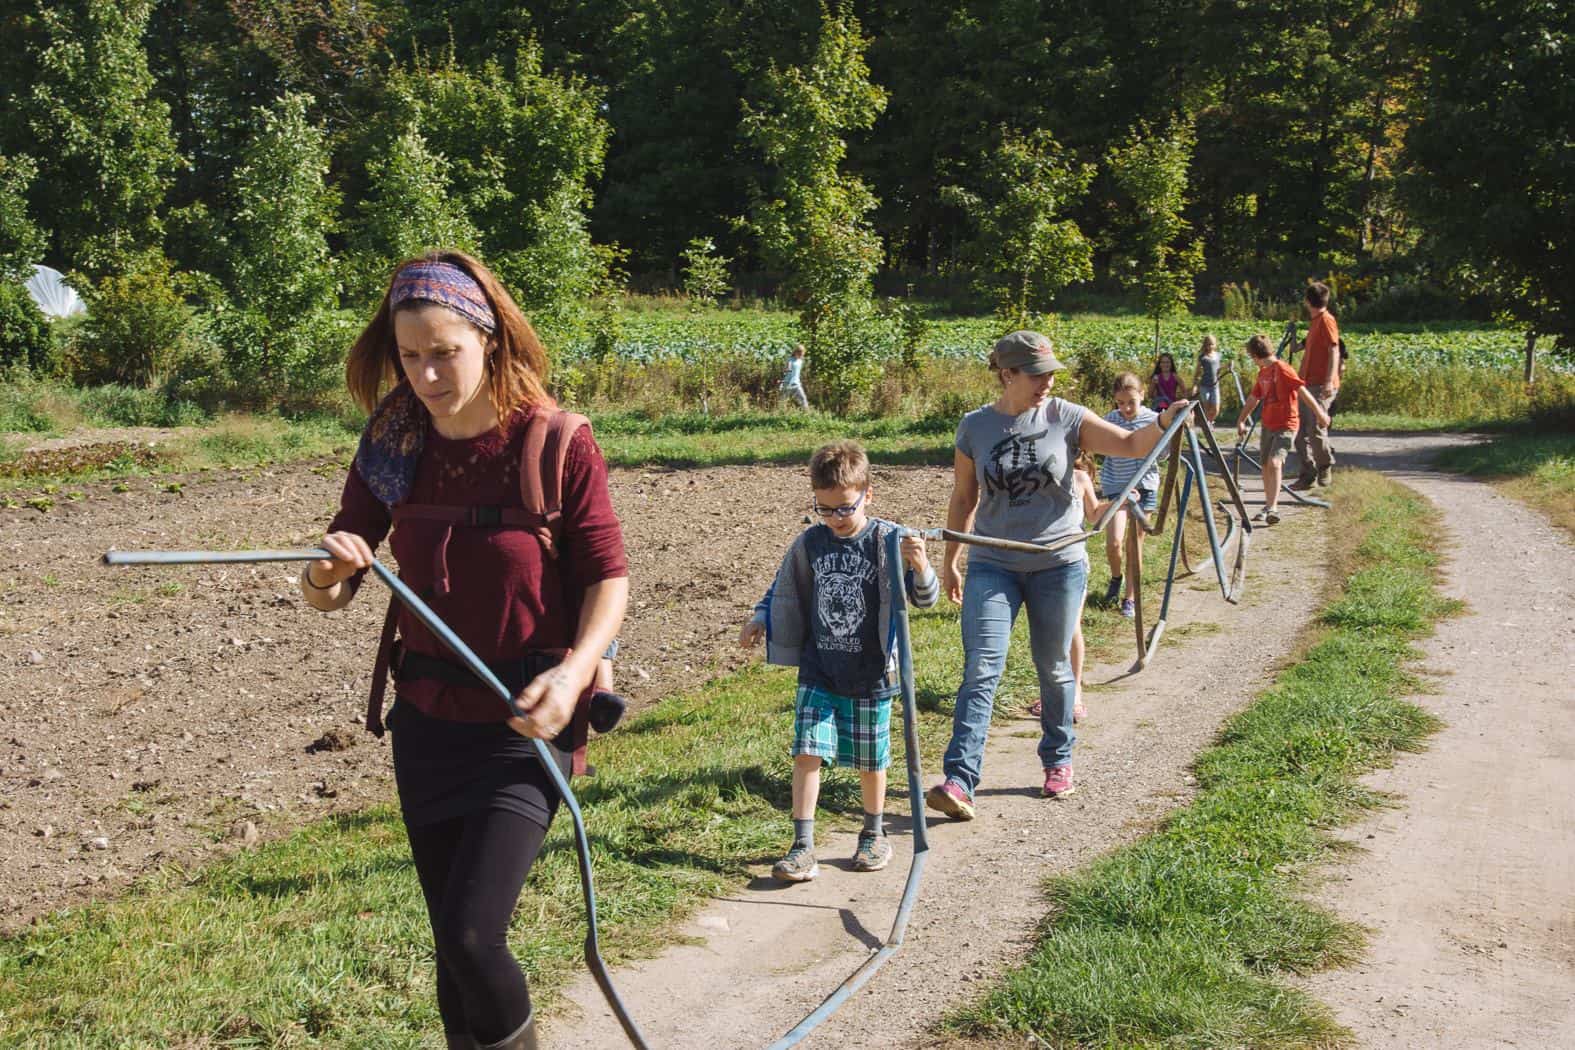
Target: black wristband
x,y
306,574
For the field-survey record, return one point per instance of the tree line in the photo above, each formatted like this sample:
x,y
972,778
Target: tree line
x,y
263,161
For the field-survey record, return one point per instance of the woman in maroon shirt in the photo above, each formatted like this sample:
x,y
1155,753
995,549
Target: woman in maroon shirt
x,y
467,372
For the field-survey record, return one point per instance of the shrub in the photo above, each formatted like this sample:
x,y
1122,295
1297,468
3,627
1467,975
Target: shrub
x,y
24,330
128,406
307,369
1553,400
137,325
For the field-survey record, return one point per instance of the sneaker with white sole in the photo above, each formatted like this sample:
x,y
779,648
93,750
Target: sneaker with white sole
x,y
1058,782
1128,608
873,853
798,866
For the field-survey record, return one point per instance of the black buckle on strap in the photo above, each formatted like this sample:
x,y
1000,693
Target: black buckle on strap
x,y
486,517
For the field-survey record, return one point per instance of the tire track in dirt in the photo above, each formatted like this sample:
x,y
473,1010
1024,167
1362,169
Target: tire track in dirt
x,y
148,714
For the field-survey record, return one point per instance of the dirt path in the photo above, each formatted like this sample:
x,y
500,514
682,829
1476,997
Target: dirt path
x,y
759,960
1467,882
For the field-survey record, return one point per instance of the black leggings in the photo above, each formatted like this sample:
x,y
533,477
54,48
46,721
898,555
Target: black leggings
x,y
472,869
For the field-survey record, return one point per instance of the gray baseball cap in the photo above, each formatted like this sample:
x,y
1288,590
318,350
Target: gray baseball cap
x,y
1027,352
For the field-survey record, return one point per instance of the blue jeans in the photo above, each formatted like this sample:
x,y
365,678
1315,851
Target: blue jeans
x,y
991,598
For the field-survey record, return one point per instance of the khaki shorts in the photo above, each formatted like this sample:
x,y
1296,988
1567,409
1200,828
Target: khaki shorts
x,y
1275,444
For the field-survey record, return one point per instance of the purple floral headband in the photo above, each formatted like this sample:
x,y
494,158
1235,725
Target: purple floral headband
x,y
447,285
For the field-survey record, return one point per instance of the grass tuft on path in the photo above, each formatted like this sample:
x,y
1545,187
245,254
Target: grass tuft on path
x,y
1538,468
1175,940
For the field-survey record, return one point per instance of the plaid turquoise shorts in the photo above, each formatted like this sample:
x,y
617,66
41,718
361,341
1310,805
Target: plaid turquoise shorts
x,y
853,732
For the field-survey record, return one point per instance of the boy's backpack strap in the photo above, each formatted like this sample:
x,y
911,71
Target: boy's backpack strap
x,y
547,436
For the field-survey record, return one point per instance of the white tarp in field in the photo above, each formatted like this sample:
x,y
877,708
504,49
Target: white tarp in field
x,y
52,294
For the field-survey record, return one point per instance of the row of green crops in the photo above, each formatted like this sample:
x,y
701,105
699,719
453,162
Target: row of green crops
x,y
687,336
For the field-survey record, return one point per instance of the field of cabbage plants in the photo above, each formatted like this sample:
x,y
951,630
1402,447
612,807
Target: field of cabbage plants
x,y
677,335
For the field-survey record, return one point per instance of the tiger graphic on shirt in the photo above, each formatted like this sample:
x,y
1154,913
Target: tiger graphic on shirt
x,y
841,577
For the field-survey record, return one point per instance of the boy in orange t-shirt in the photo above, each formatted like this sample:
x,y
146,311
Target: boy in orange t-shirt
x,y
1278,388
1321,372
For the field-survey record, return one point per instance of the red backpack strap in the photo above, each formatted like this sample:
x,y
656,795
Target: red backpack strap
x,y
548,433
579,730
385,649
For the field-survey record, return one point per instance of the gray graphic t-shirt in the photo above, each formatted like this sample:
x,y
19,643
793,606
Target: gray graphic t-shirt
x,y
844,652
1024,467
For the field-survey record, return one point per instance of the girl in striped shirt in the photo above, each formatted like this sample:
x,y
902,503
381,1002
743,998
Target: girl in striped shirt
x,y
1114,473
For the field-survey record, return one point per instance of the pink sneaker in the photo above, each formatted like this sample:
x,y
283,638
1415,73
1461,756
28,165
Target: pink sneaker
x,y
950,799
1058,782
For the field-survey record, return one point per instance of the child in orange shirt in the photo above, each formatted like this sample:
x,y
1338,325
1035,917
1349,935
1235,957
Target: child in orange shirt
x,y
1278,388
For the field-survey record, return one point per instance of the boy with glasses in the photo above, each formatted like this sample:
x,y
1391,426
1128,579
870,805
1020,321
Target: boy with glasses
x,y
829,613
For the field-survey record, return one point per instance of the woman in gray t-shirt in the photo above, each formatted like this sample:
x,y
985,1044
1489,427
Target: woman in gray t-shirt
x,y
1013,480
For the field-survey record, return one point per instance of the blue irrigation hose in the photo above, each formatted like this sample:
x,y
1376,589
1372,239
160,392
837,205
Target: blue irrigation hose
x,y
1158,631
921,840
1231,583
424,613
1175,544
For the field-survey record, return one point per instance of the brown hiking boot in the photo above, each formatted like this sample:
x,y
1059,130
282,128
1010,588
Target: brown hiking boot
x,y
1326,477
1304,481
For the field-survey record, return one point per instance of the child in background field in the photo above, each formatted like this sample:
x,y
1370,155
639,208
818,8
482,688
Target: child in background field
x,y
793,377
1164,386
1115,472
1206,388
1278,388
1083,486
828,612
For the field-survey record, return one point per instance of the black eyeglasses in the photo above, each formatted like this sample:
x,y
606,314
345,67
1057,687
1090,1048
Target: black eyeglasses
x,y
847,510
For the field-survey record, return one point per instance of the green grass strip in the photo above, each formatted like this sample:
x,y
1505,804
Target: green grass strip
x,y
1175,941
691,439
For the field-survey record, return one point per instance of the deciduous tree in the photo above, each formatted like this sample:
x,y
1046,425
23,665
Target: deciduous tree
x,y
811,218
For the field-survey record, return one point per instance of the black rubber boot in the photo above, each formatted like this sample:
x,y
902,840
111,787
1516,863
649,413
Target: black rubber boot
x,y
522,1038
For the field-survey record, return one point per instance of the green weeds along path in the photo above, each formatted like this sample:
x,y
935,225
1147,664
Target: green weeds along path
x,y
1175,940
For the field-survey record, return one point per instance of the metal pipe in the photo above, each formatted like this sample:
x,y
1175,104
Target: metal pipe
x,y
1048,547
1167,486
1134,566
456,645
1175,550
1307,501
1232,486
1231,588
921,841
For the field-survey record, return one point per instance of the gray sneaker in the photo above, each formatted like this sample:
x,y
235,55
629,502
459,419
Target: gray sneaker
x,y
873,854
798,866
